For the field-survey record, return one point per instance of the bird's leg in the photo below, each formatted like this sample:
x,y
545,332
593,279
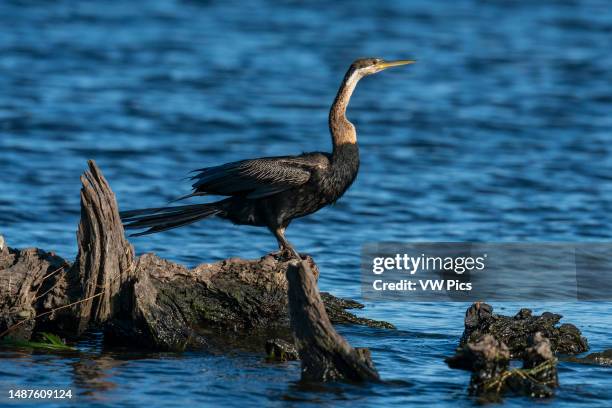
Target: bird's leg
x,y
283,244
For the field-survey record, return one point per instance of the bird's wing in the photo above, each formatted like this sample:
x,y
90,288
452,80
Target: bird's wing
x,y
257,178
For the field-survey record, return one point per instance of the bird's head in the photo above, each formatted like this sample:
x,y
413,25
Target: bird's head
x,y
369,66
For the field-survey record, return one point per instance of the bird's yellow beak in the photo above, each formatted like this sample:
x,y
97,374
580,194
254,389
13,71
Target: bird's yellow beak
x,y
389,64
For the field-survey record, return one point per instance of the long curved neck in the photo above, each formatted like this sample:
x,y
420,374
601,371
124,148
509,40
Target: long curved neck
x,y
343,131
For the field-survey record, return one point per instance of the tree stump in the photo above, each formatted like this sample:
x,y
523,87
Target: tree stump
x,y
105,261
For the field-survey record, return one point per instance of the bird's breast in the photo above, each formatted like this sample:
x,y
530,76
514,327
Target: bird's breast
x,y
342,172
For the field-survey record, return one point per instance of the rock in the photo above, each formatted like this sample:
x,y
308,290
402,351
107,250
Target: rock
x,y
516,331
280,350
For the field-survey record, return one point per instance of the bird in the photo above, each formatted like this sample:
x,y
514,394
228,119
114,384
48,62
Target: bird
x,y
272,191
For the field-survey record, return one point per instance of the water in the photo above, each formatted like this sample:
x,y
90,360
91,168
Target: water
x,y
501,132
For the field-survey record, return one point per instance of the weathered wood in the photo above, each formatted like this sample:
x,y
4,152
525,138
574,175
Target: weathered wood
x,y
235,301
105,261
31,283
147,302
324,353
174,307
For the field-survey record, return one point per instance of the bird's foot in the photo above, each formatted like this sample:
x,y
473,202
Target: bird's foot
x,y
277,254
286,254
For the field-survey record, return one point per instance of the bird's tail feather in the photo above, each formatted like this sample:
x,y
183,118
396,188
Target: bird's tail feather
x,y
165,218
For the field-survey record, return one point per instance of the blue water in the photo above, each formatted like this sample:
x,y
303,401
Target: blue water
x,y
501,132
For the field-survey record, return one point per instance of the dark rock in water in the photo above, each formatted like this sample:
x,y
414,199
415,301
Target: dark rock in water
x,y
600,358
280,350
516,331
488,359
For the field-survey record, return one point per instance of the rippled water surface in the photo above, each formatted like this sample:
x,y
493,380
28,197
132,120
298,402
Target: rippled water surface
x,y
501,132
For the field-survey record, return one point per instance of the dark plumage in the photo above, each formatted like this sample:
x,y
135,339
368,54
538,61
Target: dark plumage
x,y
272,191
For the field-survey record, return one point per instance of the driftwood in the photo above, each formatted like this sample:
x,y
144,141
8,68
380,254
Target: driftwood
x,y
154,303
324,353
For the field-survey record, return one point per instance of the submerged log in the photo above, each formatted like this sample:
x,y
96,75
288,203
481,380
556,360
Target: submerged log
x,y
148,301
324,353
